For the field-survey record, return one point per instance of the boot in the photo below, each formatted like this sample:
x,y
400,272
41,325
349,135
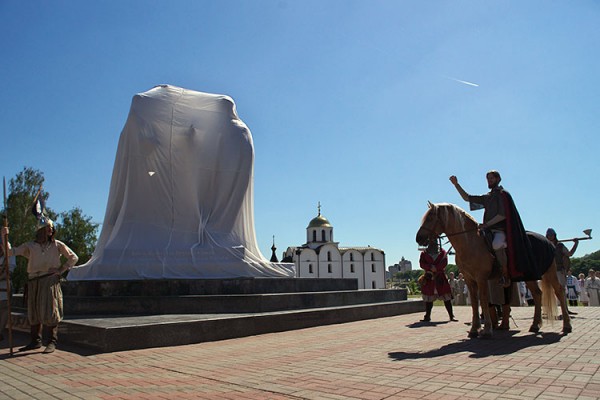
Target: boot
x,y
51,333
36,338
428,308
503,260
448,305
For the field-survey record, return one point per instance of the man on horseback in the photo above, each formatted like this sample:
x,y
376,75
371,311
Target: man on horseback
x,y
496,204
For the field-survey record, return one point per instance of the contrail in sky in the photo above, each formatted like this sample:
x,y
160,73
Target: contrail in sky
x,y
465,82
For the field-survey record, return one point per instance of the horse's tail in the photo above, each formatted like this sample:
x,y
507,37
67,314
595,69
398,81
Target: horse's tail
x,y
548,296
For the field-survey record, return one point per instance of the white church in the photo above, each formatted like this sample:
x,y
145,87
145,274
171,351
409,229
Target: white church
x,y
321,257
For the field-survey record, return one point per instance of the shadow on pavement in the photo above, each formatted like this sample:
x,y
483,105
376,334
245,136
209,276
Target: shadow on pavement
x,y
421,324
20,339
503,343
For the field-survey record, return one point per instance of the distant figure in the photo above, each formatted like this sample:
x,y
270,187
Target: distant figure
x,y
526,296
582,293
592,288
434,283
452,282
460,298
572,288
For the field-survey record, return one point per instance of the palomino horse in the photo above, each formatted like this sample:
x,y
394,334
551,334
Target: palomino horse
x,y
476,262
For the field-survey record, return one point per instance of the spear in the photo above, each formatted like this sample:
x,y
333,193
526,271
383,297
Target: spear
x,y
7,271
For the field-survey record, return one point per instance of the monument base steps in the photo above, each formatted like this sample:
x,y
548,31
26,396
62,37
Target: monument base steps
x,y
118,323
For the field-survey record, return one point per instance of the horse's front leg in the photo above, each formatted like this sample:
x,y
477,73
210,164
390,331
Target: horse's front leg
x,y
475,321
536,294
486,332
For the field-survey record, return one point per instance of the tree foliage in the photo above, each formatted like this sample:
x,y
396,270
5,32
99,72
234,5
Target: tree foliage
x,y
583,264
79,232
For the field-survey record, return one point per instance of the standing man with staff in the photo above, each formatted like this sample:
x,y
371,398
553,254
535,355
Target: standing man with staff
x,y
44,269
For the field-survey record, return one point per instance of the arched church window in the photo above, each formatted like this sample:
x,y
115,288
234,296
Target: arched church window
x,y
323,236
328,256
314,236
310,269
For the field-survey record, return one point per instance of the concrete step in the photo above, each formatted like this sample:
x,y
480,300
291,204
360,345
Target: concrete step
x,y
124,315
109,333
186,287
219,304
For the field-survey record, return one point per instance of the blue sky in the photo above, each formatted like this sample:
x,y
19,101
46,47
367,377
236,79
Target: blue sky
x,y
356,104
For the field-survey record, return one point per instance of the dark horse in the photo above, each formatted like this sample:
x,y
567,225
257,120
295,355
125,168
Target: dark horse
x,y
476,263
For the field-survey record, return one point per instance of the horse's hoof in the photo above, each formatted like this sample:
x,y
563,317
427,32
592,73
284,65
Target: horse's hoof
x,y
534,329
567,329
485,335
472,334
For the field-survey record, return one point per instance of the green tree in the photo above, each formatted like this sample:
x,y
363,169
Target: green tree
x,y
75,229
22,191
583,264
78,232
451,268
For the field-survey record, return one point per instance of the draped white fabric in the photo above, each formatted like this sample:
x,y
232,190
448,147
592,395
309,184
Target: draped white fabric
x,y
181,196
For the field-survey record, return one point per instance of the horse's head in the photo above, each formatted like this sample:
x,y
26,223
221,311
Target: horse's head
x,y
430,225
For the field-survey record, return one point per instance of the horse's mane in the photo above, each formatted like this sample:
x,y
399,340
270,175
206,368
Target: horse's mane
x,y
451,213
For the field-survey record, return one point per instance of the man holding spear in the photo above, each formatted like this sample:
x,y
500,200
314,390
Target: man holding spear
x,y
44,270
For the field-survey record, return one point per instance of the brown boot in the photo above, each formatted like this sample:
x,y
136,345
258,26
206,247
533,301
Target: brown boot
x,y
51,334
36,338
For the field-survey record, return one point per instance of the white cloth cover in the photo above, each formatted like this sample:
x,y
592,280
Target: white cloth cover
x,y
181,197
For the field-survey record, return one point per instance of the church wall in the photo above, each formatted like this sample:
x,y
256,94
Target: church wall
x,y
330,262
307,264
353,266
374,262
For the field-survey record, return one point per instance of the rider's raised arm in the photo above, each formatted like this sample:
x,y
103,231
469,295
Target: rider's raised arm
x,y
459,188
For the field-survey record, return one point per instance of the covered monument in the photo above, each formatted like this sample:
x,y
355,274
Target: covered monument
x,y
181,197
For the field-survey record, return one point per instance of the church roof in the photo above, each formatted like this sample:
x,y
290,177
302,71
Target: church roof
x,y
360,249
319,221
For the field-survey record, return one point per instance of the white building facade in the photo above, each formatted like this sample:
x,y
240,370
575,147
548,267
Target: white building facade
x,y
321,257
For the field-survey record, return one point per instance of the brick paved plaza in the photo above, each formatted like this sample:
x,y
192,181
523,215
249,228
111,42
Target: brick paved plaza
x,y
387,358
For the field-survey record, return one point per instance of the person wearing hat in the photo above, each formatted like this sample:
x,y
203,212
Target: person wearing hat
x,y
44,270
561,256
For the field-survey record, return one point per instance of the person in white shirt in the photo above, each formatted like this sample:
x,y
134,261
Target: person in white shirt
x,y
592,288
44,269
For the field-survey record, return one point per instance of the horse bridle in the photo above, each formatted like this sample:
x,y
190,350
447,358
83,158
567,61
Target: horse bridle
x,y
447,235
